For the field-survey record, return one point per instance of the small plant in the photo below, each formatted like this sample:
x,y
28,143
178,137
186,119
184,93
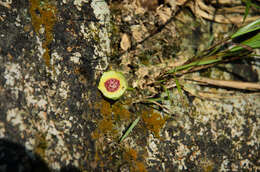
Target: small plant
x,y
212,56
236,49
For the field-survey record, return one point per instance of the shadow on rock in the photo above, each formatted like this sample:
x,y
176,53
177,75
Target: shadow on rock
x,y
15,158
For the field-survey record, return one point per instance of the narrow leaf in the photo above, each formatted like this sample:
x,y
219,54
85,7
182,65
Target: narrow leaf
x,y
178,86
248,5
196,63
248,28
129,129
253,42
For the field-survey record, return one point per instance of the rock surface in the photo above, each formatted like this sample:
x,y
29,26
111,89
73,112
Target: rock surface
x,y
53,118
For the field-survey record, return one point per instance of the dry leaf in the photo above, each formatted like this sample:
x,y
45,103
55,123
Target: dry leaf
x,y
126,60
149,4
172,3
230,84
164,14
207,11
139,32
125,42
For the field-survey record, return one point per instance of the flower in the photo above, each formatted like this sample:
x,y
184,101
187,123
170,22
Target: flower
x,y
112,84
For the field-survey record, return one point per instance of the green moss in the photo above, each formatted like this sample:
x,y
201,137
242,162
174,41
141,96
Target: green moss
x,y
43,14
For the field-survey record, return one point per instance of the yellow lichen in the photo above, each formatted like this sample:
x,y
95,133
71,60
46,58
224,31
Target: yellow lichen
x,y
43,14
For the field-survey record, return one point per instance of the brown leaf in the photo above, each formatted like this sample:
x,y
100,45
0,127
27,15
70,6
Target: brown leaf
x,y
125,42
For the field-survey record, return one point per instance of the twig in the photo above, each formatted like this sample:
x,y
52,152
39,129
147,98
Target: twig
x,y
165,109
229,84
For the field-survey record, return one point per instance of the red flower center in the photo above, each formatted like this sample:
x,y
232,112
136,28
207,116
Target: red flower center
x,y
112,84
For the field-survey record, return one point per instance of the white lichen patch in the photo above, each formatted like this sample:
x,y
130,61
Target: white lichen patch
x,y
2,129
15,118
12,74
18,21
60,145
152,149
99,31
41,50
6,3
31,100
29,144
180,154
55,61
76,58
78,3
246,164
42,103
63,90
224,165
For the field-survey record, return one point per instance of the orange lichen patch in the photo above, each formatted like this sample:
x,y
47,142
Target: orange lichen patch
x,y
40,144
120,112
105,125
140,166
107,133
130,155
105,109
43,14
111,114
153,121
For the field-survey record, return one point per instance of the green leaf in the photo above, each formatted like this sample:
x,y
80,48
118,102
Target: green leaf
x,y
178,85
196,63
255,6
129,129
248,28
154,99
253,42
248,5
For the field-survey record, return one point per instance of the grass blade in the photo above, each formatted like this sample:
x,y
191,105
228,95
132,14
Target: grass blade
x,y
196,63
178,86
130,129
248,28
248,5
253,42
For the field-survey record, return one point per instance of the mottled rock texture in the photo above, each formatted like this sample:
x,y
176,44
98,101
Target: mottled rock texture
x,y
53,118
